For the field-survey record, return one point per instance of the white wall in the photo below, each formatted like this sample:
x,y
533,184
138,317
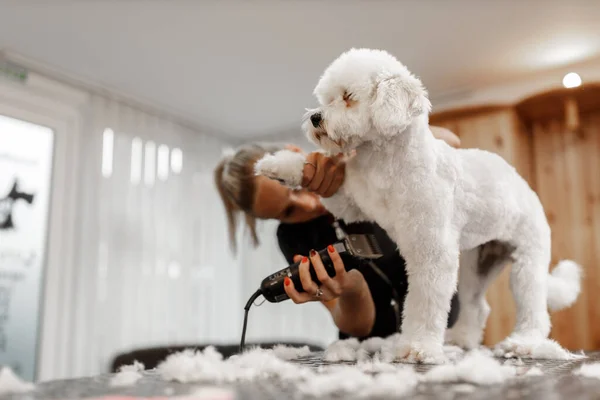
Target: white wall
x,y
141,263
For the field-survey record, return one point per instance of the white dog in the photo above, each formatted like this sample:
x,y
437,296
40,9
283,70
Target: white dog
x,y
436,202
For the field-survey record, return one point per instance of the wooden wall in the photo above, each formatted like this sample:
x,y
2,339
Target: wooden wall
x,y
563,166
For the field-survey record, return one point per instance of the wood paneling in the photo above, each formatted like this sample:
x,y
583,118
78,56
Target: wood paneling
x,y
563,166
568,183
550,105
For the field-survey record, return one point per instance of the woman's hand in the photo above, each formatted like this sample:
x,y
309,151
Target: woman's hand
x,y
345,283
322,174
446,135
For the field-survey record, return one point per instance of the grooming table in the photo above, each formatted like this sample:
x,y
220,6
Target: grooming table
x,y
558,382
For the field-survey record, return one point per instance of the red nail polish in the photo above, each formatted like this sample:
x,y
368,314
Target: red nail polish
x,y
304,260
313,253
287,281
330,248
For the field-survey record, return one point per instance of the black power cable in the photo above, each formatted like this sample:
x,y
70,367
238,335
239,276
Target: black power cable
x,y
246,310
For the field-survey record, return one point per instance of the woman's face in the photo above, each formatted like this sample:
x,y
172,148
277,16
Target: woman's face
x,y
275,201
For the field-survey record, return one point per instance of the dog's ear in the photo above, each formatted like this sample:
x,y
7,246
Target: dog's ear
x,y
397,100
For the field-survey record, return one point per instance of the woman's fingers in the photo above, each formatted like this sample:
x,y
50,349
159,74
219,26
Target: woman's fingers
x,y
338,264
293,294
322,275
330,288
322,163
297,258
322,174
337,179
310,169
330,174
308,285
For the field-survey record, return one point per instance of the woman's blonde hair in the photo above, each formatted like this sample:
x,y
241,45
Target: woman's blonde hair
x,y
235,181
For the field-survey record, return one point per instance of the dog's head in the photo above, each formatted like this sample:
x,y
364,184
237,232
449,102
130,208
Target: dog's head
x,y
364,95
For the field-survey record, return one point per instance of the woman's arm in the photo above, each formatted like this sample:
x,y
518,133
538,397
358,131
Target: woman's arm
x,y
446,135
354,313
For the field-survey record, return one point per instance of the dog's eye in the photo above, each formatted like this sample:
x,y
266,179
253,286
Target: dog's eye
x,y
348,99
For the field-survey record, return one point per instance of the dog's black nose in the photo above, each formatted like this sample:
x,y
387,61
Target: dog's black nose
x,y
315,119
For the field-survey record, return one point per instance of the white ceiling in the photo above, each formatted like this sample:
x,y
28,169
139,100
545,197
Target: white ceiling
x,y
247,68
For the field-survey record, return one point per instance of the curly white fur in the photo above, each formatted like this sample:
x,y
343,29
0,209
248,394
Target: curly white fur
x,y
128,375
437,203
284,166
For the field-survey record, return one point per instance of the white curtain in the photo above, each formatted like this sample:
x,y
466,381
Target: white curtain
x,y
153,265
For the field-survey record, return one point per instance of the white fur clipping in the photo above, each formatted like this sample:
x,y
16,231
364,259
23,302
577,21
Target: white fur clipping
x,y
463,388
190,366
564,285
290,353
534,371
284,165
342,350
211,393
350,380
128,375
476,367
373,345
547,349
208,366
365,379
591,370
10,383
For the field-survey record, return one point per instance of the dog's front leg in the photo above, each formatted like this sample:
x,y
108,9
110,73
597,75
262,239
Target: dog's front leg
x,y
432,268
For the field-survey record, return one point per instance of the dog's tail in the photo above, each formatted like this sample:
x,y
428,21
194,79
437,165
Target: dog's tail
x,y
564,285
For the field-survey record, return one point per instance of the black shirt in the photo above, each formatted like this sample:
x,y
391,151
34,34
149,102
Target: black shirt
x,y
317,234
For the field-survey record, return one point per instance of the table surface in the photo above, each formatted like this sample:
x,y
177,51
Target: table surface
x,y
558,382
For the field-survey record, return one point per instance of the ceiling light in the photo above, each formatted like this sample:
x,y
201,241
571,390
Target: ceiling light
x,y
571,80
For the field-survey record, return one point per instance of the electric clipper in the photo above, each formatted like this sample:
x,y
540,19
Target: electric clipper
x,y
358,245
363,246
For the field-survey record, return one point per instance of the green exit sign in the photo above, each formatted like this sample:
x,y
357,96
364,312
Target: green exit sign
x,y
13,71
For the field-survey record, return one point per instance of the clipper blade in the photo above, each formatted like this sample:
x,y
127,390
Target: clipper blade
x,y
364,246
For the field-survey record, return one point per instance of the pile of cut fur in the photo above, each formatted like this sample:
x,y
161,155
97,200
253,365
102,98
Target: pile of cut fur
x,y
371,374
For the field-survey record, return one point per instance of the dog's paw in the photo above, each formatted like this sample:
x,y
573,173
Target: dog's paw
x,y
464,338
285,166
419,352
532,346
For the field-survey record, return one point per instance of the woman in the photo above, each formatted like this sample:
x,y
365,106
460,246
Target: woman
x,y
365,298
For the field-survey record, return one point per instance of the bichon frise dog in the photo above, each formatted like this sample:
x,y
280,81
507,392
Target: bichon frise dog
x,y
436,202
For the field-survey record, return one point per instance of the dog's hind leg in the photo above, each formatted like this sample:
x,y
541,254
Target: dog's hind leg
x,y
478,269
529,286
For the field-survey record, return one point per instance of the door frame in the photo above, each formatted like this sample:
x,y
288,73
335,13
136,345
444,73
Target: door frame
x,y
61,108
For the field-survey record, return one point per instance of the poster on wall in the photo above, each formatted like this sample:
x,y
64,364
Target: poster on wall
x,y
25,177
